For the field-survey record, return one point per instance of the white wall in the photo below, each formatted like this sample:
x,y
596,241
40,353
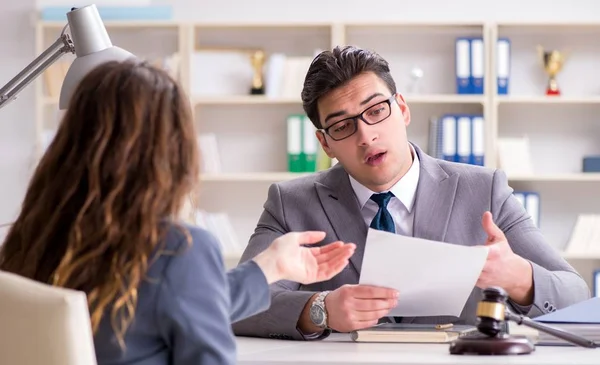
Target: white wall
x,y
16,120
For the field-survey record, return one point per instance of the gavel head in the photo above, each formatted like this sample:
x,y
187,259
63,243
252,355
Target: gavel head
x,y
490,311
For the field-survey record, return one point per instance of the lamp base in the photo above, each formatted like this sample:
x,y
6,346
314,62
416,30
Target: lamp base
x,y
485,345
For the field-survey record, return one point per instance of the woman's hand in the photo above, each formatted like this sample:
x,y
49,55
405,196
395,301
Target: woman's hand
x,y
287,259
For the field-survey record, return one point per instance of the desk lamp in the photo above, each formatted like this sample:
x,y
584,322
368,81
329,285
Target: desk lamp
x,y
91,45
491,340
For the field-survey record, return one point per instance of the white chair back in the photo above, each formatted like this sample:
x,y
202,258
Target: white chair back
x,y
42,324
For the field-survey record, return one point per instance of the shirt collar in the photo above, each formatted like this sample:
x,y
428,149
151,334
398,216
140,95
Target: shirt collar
x,y
405,189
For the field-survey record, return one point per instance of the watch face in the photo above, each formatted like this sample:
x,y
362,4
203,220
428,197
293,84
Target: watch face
x,y
317,315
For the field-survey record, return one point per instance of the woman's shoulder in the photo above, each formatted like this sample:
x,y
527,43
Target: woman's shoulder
x,y
180,235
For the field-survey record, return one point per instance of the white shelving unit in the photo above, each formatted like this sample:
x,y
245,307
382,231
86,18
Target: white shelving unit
x,y
251,130
147,39
561,129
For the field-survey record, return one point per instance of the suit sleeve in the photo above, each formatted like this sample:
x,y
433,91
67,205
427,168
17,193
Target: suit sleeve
x,y
248,290
194,305
287,301
556,283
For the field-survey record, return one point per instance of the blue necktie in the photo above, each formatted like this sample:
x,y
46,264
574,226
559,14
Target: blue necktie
x,y
383,220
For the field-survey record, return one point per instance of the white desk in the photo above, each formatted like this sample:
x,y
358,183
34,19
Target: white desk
x,y
339,349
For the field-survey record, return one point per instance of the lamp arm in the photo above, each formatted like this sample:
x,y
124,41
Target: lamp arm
x,y
61,46
567,336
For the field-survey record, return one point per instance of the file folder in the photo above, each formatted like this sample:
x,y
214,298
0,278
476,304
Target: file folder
x,y
503,65
531,203
449,152
309,145
478,140
463,65
477,66
294,143
463,138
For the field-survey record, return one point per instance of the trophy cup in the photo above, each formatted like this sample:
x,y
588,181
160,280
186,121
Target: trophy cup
x,y
258,60
553,62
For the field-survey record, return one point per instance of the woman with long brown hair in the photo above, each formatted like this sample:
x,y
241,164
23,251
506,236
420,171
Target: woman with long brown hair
x,y
101,216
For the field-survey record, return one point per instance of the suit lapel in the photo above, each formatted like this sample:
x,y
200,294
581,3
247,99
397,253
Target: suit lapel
x,y
434,199
433,205
341,206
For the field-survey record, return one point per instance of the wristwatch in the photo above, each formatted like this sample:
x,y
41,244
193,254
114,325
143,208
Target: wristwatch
x,y
318,313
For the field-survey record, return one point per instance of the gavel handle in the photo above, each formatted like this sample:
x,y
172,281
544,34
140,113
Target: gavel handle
x,y
567,336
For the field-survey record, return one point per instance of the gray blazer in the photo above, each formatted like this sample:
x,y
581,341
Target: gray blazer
x,y
186,306
450,201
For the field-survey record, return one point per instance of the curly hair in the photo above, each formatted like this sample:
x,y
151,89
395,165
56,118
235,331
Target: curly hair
x,y
122,162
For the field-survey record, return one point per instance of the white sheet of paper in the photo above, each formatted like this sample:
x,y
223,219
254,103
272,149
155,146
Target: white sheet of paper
x,y
433,278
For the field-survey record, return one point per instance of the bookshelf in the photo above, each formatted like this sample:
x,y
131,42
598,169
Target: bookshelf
x,y
561,129
251,129
168,39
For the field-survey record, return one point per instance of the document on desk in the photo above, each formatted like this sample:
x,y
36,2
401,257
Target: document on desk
x,y
433,278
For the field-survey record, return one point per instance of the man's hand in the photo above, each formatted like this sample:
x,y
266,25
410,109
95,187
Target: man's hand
x,y
352,307
287,259
503,267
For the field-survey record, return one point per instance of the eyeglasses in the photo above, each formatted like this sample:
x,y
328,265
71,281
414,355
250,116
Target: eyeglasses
x,y
372,115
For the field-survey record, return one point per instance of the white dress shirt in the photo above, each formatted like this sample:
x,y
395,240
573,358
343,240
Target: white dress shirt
x,y
400,206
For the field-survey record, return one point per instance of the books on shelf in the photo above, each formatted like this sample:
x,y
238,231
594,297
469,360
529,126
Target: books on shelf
x,y
502,66
531,203
585,237
304,153
229,72
514,156
209,153
470,65
458,138
219,225
285,75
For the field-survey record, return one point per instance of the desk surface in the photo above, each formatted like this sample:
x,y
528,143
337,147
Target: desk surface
x,y
339,349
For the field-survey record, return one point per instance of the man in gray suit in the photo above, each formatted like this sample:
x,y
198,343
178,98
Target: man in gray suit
x,y
384,181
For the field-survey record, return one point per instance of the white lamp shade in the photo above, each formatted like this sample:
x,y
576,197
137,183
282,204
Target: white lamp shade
x,y
92,48
81,66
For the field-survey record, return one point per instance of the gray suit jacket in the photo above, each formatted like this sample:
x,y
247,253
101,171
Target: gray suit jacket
x,y
186,306
450,201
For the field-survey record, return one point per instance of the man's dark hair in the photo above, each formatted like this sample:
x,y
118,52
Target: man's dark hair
x,y
332,69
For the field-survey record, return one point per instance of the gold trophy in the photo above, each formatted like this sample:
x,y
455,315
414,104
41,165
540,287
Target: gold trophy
x,y
553,62
258,60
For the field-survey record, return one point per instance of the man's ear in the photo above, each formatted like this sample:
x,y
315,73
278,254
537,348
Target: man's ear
x,y
323,141
403,108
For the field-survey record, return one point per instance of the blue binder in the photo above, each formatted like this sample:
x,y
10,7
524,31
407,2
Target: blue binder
x,y
477,140
477,65
503,65
463,65
531,203
464,139
449,137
